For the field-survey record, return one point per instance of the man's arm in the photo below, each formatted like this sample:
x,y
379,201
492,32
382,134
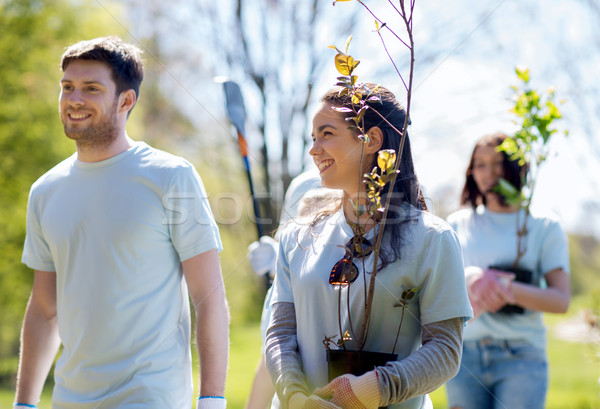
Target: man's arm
x,y
39,338
207,291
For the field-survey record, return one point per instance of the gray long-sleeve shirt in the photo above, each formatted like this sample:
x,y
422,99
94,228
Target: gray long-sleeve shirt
x,y
423,371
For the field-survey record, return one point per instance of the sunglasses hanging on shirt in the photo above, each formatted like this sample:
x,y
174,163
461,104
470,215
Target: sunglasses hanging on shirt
x,y
345,271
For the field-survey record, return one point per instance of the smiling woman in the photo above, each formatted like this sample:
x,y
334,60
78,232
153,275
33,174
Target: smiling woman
x,y
338,153
327,262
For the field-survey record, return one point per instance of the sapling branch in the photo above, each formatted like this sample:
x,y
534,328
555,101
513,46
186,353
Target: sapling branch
x,y
400,151
360,96
528,145
387,26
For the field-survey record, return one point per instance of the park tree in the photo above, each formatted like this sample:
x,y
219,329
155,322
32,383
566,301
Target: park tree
x,y
276,50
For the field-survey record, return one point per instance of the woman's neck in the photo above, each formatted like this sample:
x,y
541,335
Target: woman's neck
x,y
355,212
493,204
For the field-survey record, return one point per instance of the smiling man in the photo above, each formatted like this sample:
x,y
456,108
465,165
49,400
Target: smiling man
x,y
118,235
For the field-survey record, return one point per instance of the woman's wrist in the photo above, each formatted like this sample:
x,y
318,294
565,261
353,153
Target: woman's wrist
x,y
296,400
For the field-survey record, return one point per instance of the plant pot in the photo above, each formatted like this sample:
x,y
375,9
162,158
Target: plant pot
x,y
522,276
340,362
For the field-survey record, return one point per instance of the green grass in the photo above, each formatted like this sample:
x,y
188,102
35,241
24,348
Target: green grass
x,y
243,358
574,370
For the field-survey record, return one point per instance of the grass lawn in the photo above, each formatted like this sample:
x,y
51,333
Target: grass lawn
x,y
574,371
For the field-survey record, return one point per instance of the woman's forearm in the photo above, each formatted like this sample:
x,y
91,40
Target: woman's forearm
x,y
426,369
281,352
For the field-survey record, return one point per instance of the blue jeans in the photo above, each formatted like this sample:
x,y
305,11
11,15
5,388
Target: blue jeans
x,y
497,374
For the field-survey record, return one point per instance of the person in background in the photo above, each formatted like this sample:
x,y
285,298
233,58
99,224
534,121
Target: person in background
x,y
504,361
420,254
304,197
118,235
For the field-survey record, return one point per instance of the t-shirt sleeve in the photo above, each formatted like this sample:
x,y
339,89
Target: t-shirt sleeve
x,y
282,284
444,295
555,248
191,223
36,251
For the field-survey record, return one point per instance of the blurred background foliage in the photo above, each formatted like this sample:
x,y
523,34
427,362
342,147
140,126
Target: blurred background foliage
x,y
34,35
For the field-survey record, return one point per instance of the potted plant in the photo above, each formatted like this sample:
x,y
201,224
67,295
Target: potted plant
x,y
536,113
340,358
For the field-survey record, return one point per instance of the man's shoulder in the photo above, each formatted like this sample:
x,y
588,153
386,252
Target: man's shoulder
x,y
158,158
56,173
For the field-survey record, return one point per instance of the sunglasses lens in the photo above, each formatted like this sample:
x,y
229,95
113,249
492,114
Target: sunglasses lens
x,y
344,272
359,247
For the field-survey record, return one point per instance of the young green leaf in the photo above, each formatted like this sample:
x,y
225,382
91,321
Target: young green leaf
x,y
508,191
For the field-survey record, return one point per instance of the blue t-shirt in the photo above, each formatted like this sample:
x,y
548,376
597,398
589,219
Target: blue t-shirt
x,y
489,238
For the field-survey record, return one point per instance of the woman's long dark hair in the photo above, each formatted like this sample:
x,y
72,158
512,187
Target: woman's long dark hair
x,y
406,188
514,173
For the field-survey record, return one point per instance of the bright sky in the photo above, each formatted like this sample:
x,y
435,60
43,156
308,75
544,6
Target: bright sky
x,y
463,94
466,54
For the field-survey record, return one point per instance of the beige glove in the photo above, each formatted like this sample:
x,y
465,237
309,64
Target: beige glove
x,y
353,392
300,401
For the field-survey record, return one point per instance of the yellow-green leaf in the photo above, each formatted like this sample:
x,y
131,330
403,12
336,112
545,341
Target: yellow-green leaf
x,y
508,191
345,64
386,159
522,73
348,42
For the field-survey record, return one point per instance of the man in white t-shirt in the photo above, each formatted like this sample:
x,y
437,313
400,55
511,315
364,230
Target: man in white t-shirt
x,y
118,235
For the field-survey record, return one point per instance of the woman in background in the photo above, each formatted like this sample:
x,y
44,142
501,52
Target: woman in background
x,y
504,362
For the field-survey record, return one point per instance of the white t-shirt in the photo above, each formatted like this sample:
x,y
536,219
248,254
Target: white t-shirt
x,y
299,186
115,232
430,262
489,238
305,185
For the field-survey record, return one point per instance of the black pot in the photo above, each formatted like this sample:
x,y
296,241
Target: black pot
x,y
522,276
340,362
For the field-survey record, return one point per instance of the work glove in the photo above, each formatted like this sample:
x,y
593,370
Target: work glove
x,y
262,255
211,402
353,392
300,401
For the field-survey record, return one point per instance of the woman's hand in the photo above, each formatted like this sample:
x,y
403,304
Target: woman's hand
x,y
489,290
353,392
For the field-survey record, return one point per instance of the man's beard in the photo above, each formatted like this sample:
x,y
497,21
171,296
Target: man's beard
x,y
96,136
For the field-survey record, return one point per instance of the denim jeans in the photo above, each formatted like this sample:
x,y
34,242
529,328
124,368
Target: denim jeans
x,y
497,374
